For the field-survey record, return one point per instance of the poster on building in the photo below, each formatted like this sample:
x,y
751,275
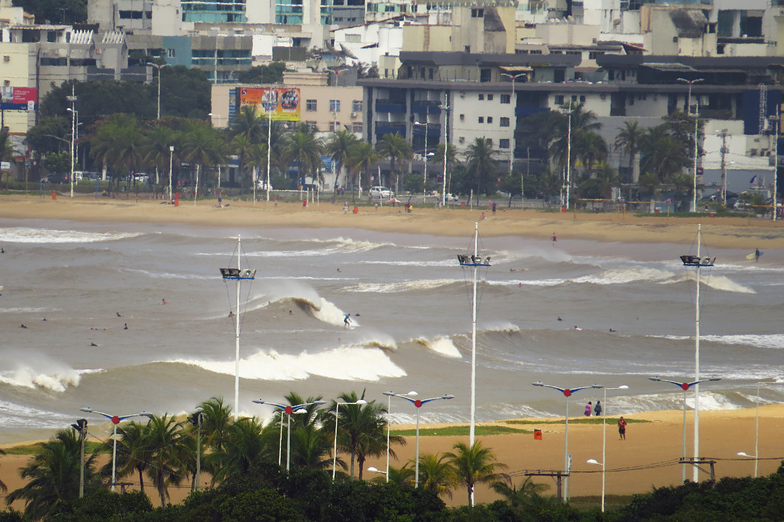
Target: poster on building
x,y
18,98
281,103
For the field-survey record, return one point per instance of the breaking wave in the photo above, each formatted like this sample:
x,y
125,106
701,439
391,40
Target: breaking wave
x,y
440,345
32,235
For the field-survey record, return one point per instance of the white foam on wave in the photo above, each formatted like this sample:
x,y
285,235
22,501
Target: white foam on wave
x,y
350,363
25,310
331,247
43,235
619,276
775,341
18,416
441,345
500,326
439,263
303,294
400,286
165,275
44,374
717,282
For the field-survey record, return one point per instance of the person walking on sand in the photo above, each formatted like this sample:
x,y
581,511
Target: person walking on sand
x,y
597,410
622,428
588,408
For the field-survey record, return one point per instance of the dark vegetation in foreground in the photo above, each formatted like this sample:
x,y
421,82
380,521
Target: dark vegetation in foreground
x,y
267,493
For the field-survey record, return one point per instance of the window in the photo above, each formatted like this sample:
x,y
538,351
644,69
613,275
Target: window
x,y
312,125
333,125
461,139
485,75
334,105
503,144
356,106
462,117
559,99
477,13
489,119
354,38
481,97
504,122
489,141
357,127
170,53
582,98
311,105
506,98
489,97
481,119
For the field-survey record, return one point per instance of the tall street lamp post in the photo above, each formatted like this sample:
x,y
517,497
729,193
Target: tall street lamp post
x,y
159,67
424,177
696,130
360,403
171,160
445,107
418,403
81,427
697,262
116,419
72,110
567,392
514,116
389,395
297,408
685,386
604,438
756,434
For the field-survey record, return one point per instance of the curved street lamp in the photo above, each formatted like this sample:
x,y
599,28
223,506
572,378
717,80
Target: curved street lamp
x,y
685,386
360,403
116,419
567,392
288,410
418,403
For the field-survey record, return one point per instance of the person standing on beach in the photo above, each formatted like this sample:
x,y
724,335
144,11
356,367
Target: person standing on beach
x,y
555,239
622,428
756,255
588,408
597,410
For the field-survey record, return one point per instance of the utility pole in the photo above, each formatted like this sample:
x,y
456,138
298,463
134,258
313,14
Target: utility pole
x,y
723,167
777,123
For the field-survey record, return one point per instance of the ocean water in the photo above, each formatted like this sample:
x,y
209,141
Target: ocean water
x,y
626,313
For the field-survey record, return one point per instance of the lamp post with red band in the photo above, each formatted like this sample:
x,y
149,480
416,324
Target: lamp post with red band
x,y
418,404
567,392
116,419
288,410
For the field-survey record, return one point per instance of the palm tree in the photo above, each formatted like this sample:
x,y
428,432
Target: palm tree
x,y
402,476
361,430
202,147
156,148
436,473
164,451
243,448
118,144
396,148
339,148
362,158
479,160
591,149
474,465
53,475
244,148
581,121
312,448
519,496
215,421
663,155
131,452
451,161
305,149
250,124
629,140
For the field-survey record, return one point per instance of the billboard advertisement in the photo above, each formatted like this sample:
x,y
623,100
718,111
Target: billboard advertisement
x,y
18,98
283,103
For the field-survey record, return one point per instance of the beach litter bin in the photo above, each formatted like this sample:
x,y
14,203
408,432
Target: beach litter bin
x,y
356,210
54,196
537,434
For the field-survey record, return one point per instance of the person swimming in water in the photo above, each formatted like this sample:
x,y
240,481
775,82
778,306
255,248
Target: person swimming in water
x,y
125,327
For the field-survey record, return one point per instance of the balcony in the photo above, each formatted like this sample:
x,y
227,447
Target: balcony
x,y
390,106
390,127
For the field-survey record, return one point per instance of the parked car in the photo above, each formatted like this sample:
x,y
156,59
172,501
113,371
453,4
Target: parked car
x,y
380,192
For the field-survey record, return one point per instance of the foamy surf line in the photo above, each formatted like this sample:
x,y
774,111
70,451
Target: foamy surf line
x,y
41,236
758,341
54,380
367,364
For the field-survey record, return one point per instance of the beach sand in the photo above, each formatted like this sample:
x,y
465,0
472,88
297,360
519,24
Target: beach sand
x,y
745,233
646,459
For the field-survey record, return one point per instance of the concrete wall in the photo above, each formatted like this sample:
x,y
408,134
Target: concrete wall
x,y
466,126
